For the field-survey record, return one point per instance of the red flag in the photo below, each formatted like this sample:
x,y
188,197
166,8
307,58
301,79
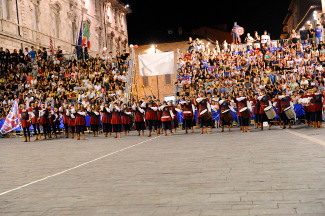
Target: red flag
x,y
51,46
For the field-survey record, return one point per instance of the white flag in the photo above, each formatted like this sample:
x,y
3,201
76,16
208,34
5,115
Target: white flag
x,y
156,64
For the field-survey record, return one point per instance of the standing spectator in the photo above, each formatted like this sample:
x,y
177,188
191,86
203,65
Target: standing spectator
x,y
318,34
79,52
265,38
59,53
303,34
33,55
310,33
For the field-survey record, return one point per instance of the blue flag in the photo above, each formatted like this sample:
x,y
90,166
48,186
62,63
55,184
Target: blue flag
x,y
80,34
12,121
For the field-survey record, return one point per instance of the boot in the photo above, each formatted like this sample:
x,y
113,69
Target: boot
x,y
72,136
44,136
222,129
115,135
207,129
59,134
106,134
170,132
50,136
78,136
28,139
284,126
159,131
201,131
110,134
242,129
55,135
256,125
40,137
36,137
247,129
269,126
320,125
149,134
94,134
119,135
143,133
83,136
66,135
25,139
186,130
138,133
165,133
229,128
192,130
156,132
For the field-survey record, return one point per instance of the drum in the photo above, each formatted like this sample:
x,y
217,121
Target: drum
x,y
270,113
290,113
245,113
206,115
227,116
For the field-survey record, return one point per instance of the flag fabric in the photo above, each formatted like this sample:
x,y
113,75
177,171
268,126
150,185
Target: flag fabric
x,y
80,34
85,36
156,64
12,121
51,46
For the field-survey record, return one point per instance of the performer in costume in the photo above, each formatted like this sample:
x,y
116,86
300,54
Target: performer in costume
x,y
138,117
25,121
126,119
317,101
159,122
33,111
265,101
167,117
80,122
94,120
285,102
188,113
106,119
234,34
225,107
55,115
306,102
203,105
243,111
151,114
44,119
72,120
175,119
116,119
63,110
256,108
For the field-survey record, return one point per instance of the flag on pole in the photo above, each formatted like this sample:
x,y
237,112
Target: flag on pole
x,y
85,36
12,121
80,34
51,46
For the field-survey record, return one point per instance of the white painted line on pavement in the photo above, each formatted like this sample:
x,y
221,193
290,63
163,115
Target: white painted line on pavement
x,y
80,165
312,139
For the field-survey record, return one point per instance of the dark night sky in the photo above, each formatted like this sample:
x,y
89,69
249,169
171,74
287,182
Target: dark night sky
x,y
150,20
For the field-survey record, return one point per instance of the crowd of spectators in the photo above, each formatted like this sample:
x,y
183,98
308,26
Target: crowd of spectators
x,y
260,64
35,75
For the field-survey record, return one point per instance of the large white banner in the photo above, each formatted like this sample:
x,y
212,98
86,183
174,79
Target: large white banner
x,y
156,64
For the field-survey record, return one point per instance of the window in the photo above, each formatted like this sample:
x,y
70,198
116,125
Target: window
x,y
73,32
56,8
145,81
35,17
5,9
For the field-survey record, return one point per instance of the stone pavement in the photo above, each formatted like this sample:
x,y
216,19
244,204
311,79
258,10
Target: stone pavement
x,y
277,172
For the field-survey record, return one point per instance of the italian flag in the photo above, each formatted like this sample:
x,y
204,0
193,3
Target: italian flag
x,y
85,36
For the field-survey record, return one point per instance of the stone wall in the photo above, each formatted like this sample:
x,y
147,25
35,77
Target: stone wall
x,y
61,19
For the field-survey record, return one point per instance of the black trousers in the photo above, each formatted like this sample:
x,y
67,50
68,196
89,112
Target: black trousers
x,y
167,125
318,116
188,123
66,128
80,129
55,128
116,128
107,127
203,123
139,126
223,122
126,127
243,121
151,124
263,118
72,129
94,127
36,129
26,131
46,129
284,118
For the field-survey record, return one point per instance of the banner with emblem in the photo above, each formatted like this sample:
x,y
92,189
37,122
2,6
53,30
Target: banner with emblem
x,y
12,121
156,64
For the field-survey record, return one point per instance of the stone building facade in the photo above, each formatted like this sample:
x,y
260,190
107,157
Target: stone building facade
x,y
25,23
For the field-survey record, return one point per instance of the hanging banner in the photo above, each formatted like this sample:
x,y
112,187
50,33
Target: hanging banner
x,y
156,64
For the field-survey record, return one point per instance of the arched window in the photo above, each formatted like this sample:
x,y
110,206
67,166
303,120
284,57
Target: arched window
x,y
56,8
